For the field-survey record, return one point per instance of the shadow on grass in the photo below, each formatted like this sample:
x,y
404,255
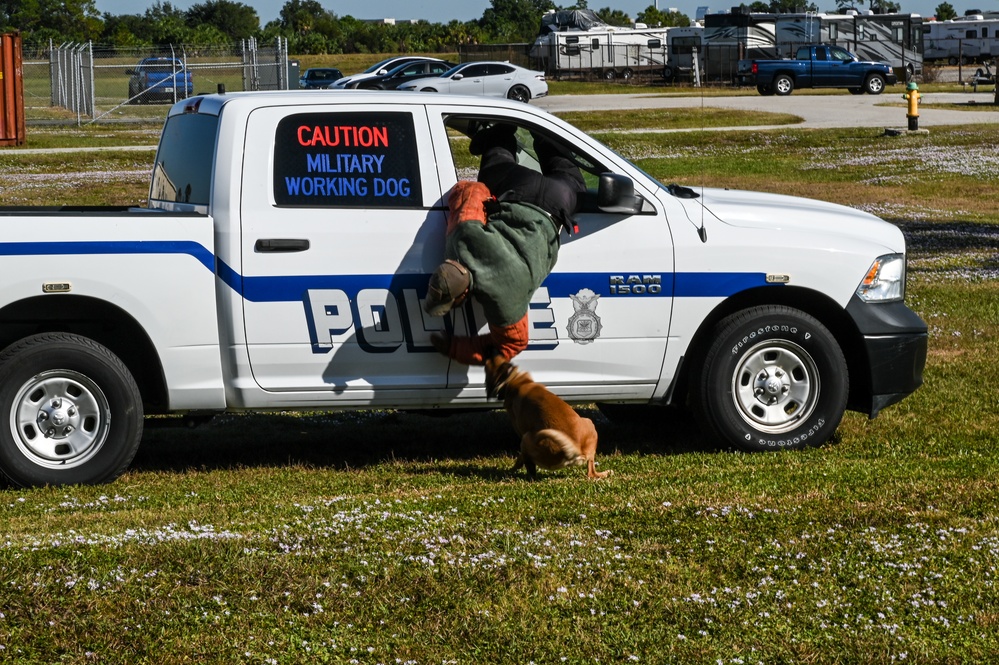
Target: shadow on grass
x,y
357,439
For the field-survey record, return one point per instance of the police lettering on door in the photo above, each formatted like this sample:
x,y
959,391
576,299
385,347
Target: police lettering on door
x,y
384,320
346,159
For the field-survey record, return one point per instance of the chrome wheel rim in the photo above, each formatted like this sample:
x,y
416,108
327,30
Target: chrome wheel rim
x,y
60,419
776,386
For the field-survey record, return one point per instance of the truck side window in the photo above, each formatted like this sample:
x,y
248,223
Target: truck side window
x,y
333,160
182,173
462,128
840,54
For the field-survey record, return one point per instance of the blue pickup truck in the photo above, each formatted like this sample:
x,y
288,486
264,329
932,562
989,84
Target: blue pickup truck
x,y
817,66
159,79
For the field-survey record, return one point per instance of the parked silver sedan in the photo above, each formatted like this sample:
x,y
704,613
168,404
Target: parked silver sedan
x,y
490,79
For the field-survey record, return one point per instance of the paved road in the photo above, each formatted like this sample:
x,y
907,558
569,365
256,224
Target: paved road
x,y
819,111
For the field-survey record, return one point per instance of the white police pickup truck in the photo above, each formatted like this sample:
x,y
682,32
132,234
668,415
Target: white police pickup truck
x,y
286,249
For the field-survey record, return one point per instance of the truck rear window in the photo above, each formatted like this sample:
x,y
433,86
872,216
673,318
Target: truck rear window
x,y
331,160
183,169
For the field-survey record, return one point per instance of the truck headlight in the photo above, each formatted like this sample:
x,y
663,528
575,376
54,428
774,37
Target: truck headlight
x,y
885,281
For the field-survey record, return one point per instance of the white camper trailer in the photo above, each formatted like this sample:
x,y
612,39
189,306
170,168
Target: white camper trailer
x,y
577,43
966,39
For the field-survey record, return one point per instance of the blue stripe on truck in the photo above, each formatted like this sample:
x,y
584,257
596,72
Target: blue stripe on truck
x,y
280,288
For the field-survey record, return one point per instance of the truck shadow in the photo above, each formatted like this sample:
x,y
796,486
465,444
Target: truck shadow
x,y
358,439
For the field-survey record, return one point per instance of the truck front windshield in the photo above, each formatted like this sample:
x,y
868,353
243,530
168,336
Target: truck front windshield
x,y
182,174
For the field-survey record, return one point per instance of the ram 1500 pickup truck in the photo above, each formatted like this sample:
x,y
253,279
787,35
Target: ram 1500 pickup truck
x,y
817,66
283,258
159,79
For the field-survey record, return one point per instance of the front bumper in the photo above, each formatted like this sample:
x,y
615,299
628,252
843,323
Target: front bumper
x,y
895,342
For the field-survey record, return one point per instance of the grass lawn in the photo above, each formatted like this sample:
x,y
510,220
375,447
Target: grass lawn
x,y
391,537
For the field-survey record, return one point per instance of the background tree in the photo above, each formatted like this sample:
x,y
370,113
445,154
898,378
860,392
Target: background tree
x,y
885,7
614,17
234,19
656,17
124,31
59,20
945,11
165,24
514,20
299,17
783,6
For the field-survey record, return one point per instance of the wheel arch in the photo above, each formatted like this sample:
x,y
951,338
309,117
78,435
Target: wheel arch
x,y
817,304
99,320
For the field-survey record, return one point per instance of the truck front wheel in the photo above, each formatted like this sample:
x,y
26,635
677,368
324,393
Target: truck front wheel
x,y
72,412
874,84
783,84
774,378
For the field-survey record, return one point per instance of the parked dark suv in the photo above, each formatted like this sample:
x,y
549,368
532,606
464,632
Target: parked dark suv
x,y
159,79
319,77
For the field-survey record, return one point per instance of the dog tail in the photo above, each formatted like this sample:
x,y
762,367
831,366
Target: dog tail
x,y
571,454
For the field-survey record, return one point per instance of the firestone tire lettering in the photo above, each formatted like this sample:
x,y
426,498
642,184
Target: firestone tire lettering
x,y
774,378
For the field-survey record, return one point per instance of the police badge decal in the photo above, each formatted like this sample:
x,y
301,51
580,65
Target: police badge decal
x,y
584,326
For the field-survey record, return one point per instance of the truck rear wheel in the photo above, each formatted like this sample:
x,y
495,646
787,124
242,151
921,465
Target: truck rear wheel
x,y
73,412
783,85
774,378
874,84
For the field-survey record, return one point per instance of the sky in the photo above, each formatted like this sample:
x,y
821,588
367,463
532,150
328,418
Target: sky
x,y
443,11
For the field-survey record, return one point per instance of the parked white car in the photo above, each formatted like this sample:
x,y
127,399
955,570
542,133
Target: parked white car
x,y
490,79
378,69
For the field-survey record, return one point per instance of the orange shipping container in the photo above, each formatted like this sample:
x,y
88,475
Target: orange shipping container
x,y
11,90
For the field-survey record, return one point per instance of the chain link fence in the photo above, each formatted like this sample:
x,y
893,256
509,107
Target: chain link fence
x,y
97,84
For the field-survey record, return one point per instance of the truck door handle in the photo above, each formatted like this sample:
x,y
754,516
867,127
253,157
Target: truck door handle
x,y
281,245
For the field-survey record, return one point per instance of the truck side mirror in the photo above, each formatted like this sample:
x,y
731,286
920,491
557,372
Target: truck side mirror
x,y
616,194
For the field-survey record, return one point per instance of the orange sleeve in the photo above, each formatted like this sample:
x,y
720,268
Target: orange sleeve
x,y
467,203
508,341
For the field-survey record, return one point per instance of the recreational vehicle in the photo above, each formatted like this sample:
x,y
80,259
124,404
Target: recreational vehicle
x,y
966,39
685,52
577,43
893,38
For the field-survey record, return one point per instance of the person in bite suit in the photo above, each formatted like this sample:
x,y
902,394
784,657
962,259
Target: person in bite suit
x,y
502,241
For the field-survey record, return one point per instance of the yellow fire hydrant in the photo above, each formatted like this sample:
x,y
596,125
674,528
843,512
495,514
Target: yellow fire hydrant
x,y
912,96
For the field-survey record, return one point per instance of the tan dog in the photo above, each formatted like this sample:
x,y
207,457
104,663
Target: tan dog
x,y
552,434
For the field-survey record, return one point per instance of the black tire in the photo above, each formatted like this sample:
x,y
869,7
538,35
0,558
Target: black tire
x,y
856,91
764,90
609,75
627,73
774,378
669,74
783,85
874,84
519,93
980,73
72,409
